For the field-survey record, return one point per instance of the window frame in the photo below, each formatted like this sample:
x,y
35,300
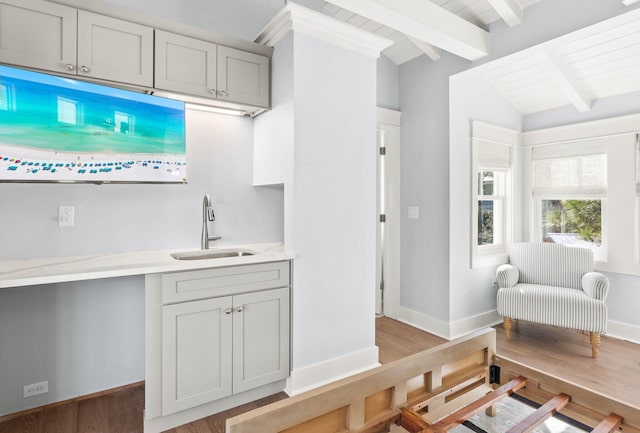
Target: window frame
x,y
493,148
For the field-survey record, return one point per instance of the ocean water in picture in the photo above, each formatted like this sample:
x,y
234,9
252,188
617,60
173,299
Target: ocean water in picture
x,y
60,129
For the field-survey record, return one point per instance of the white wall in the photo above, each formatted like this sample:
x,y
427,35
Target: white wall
x,y
334,201
118,218
471,290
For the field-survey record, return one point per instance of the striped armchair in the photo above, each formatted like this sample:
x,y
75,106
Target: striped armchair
x,y
554,285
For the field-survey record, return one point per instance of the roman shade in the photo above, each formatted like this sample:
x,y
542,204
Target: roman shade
x,y
576,169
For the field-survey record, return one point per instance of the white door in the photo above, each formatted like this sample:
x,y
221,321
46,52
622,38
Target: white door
x,y
388,236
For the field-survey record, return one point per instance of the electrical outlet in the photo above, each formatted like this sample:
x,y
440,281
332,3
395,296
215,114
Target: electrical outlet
x,y
66,216
35,389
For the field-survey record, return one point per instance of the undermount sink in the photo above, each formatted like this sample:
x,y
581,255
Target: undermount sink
x,y
211,254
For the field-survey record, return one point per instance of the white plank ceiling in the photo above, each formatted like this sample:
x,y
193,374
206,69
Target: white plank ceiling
x,y
604,64
480,13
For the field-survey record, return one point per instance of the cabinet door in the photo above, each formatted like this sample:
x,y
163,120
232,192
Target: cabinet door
x,y
260,338
113,49
196,353
243,77
38,34
185,65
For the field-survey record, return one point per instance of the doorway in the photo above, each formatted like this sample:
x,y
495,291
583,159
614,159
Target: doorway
x,y
388,228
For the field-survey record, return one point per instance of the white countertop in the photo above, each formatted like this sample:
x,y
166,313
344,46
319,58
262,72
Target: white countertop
x,y
16,273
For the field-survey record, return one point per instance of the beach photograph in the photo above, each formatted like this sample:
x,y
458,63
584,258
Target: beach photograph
x,y
55,129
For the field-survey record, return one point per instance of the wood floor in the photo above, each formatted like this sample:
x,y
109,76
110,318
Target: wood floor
x,y
564,353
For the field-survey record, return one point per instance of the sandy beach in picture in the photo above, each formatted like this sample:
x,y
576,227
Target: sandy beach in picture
x,y
24,164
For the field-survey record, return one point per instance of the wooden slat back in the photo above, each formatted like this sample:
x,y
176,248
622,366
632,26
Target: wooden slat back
x,y
354,390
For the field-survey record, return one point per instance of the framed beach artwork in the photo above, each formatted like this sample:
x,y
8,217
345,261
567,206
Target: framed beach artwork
x,y
56,129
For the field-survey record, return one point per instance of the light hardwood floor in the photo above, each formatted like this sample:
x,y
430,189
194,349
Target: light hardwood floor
x,y
564,353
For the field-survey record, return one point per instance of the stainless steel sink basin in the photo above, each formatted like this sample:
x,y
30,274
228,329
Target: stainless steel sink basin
x,y
211,254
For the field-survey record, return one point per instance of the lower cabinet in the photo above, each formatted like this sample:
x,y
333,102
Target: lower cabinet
x,y
221,346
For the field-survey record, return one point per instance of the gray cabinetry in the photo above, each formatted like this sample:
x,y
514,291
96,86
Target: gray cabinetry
x,y
115,50
224,331
201,68
38,34
43,35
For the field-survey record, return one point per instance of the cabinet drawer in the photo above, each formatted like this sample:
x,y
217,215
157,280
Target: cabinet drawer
x,y
209,283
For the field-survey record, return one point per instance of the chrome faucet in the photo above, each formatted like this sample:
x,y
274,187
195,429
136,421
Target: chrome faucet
x,y
207,215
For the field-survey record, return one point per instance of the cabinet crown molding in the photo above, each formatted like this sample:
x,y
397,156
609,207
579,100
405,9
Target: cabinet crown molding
x,y
300,19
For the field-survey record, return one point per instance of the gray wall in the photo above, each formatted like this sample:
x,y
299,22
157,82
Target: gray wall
x,y
82,322
240,18
425,179
388,84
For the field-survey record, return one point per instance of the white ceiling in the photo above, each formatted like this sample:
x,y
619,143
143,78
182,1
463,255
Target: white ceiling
x,y
479,13
604,64
597,64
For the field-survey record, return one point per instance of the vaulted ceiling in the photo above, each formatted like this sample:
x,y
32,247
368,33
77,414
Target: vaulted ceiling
x,y
423,27
601,64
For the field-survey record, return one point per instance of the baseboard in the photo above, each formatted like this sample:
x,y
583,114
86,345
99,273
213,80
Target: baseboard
x,y
425,322
449,330
315,375
8,417
623,331
471,324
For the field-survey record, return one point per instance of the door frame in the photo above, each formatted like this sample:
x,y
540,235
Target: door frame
x,y
388,129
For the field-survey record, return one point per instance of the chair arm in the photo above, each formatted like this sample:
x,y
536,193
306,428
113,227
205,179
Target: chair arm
x,y
507,276
595,285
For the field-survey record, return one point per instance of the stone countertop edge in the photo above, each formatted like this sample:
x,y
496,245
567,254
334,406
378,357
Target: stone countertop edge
x,y
29,272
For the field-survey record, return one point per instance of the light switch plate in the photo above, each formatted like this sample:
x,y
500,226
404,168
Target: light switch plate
x,y
414,212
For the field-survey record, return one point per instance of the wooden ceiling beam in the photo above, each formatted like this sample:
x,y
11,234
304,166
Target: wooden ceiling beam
x,y
424,21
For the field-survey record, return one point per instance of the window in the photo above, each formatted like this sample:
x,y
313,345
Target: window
x,y
7,101
492,148
490,208
68,111
570,194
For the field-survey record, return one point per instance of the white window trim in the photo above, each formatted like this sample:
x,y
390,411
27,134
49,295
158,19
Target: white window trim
x,y
622,201
497,254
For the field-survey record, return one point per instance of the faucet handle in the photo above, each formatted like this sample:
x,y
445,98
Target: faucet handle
x,y
210,215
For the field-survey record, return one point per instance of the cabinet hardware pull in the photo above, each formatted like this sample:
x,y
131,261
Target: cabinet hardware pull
x,y
228,310
212,91
239,309
222,93
84,69
69,67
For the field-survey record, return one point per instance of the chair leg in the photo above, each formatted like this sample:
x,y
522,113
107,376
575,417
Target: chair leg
x,y
595,342
507,327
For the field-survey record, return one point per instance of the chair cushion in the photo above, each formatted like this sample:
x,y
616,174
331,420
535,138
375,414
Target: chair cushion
x,y
552,305
551,264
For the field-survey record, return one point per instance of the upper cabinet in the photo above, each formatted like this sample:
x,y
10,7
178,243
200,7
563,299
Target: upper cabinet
x,y
58,38
113,49
200,68
38,34
48,36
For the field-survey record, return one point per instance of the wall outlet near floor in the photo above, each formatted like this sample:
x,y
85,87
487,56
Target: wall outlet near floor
x,y
35,389
66,216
